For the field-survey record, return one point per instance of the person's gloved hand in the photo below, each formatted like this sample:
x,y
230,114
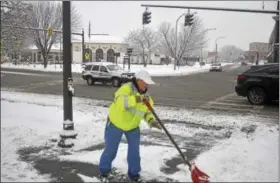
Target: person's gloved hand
x,y
142,98
155,124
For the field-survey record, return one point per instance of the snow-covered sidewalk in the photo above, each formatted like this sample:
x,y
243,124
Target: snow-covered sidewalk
x,y
250,153
154,70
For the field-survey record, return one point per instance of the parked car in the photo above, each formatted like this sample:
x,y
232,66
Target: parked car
x,y
106,73
216,67
260,84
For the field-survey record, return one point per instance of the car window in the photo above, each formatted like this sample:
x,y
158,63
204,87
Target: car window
x,y
88,67
103,69
95,68
259,69
273,70
265,69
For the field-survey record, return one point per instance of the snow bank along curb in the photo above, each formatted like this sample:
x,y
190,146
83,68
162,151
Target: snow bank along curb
x,y
155,70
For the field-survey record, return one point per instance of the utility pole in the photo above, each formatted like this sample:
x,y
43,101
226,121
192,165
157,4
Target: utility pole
x,y
216,44
201,49
68,132
276,40
0,33
83,46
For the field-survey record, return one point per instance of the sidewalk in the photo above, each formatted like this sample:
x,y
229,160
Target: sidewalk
x,y
31,123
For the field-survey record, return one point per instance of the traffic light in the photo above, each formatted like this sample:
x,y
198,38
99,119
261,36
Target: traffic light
x,y
129,51
146,17
189,19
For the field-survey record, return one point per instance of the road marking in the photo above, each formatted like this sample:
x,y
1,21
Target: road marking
x,y
21,73
231,102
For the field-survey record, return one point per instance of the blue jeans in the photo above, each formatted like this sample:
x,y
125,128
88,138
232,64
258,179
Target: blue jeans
x,y
113,137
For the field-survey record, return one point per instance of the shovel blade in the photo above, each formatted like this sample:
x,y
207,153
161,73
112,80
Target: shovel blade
x,y
198,176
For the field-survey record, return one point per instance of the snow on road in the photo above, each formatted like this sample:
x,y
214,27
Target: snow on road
x,y
29,120
154,70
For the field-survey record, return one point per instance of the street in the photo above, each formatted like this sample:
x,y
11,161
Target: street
x,y
200,110
208,90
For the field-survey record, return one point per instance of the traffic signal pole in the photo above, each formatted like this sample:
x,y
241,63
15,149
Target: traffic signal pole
x,y
46,30
213,9
275,46
176,44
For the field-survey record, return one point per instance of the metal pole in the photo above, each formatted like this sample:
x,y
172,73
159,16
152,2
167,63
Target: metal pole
x,y
212,8
201,57
60,49
83,46
0,34
176,60
39,29
68,125
216,55
129,62
276,42
217,47
67,57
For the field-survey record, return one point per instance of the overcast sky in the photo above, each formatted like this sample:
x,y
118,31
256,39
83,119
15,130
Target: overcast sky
x,y
118,17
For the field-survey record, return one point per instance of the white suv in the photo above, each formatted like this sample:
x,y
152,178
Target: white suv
x,y
105,72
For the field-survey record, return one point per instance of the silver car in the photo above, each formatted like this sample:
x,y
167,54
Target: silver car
x,y
105,72
216,67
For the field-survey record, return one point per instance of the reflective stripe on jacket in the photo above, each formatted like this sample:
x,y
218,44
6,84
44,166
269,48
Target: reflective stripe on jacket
x,y
124,112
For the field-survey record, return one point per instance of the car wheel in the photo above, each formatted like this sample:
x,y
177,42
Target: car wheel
x,y
256,96
90,81
116,82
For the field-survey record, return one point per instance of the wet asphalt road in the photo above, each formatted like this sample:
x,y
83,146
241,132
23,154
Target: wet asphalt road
x,y
185,91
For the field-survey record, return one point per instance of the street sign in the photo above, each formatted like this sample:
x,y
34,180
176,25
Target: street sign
x,y
117,54
50,31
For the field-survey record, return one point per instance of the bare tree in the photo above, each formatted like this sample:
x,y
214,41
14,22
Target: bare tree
x,y
230,53
48,14
189,39
143,41
13,13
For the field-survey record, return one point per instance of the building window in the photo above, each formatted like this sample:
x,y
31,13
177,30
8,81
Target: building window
x,y
99,54
110,55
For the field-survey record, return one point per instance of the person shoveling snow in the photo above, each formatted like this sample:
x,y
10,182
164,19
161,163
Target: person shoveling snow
x,y
132,104
125,115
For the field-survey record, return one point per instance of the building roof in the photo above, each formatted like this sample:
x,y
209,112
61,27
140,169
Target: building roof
x,y
55,46
102,38
78,39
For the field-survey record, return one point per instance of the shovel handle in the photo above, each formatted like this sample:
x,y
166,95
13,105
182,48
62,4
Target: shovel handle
x,y
167,133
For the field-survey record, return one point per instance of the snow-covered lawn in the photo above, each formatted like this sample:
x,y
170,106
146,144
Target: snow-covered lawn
x,y
32,120
154,70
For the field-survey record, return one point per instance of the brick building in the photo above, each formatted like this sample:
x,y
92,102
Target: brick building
x,y
257,49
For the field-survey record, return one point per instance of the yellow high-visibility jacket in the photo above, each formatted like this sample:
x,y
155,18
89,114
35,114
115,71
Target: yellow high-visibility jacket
x,y
124,112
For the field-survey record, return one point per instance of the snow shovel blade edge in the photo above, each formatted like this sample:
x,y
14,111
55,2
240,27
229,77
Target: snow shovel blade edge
x,y
198,176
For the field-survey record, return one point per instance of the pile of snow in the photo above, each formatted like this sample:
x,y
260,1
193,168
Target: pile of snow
x,y
33,119
243,159
154,70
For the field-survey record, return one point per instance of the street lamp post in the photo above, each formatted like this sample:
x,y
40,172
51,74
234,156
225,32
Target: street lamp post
x,y
204,32
176,36
217,47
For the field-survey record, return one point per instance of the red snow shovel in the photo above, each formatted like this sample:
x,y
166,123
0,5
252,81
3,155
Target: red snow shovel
x,y
197,175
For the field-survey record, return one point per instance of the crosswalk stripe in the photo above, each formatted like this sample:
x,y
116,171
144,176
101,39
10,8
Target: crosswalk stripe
x,y
231,102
